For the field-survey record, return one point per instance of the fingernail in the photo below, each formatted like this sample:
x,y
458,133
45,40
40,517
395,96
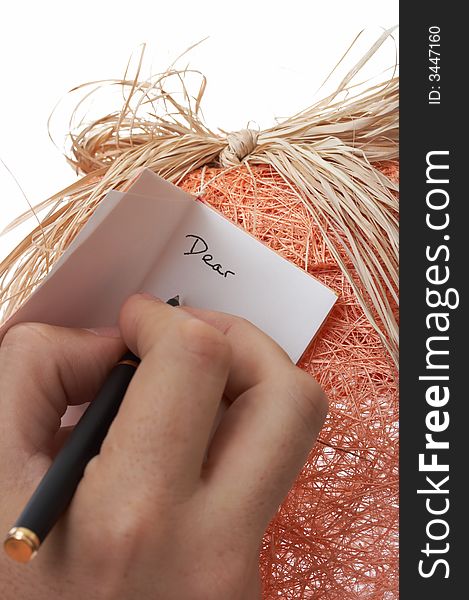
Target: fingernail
x,y
112,331
149,296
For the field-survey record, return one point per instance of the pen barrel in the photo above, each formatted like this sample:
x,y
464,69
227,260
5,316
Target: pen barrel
x,y
58,485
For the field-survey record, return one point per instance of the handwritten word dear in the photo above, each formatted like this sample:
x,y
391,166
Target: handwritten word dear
x,y
200,246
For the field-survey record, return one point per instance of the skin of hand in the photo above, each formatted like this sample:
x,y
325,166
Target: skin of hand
x,y
155,516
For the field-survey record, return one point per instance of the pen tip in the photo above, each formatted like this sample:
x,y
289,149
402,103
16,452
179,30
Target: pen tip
x,y
176,301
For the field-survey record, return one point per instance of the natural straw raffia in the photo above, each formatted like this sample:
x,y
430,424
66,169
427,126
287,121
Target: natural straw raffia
x,y
319,188
325,152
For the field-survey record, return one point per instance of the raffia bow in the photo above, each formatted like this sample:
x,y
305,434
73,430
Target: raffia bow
x,y
328,154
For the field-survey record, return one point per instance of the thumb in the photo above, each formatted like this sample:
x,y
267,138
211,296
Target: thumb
x,y
44,368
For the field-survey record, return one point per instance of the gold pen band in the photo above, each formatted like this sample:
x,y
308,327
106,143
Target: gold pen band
x,y
132,363
21,544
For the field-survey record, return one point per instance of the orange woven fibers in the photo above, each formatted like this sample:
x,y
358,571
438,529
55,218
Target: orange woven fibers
x,y
335,536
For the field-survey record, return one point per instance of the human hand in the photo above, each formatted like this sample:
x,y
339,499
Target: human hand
x,y
151,519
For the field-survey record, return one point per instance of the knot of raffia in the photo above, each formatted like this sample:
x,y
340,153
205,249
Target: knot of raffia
x,y
239,145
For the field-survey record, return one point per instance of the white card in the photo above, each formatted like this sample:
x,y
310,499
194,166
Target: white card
x,y
158,238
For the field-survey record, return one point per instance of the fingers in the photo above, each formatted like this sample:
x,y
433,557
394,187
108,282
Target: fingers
x,y
60,439
262,444
254,354
45,368
157,442
153,454
267,433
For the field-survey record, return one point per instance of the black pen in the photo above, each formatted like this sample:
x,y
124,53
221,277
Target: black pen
x,y
55,491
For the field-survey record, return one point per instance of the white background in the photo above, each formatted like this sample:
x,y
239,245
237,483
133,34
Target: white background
x,y
263,59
